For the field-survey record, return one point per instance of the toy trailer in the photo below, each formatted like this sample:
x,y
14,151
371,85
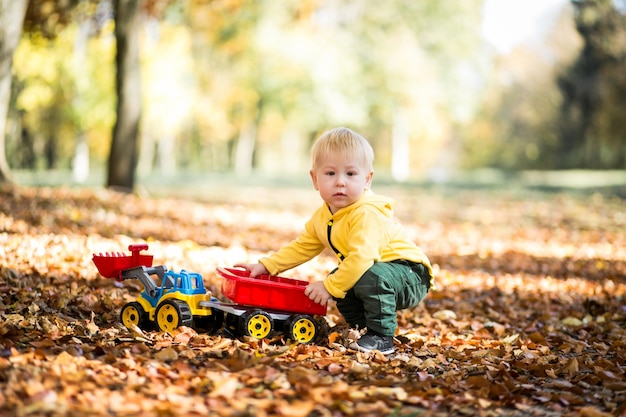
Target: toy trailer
x,y
266,303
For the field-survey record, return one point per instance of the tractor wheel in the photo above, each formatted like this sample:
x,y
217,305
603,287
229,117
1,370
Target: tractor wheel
x,y
302,328
171,314
209,324
232,325
133,314
257,323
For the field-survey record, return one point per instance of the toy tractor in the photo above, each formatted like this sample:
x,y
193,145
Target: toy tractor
x,y
176,299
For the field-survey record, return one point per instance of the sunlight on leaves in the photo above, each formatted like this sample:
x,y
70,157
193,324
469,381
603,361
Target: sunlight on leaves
x,y
528,316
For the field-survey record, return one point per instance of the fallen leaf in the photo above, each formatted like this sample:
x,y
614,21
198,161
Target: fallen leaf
x,y
167,354
572,321
445,315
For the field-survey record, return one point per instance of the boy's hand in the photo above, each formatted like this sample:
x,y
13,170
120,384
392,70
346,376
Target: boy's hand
x,y
317,292
254,269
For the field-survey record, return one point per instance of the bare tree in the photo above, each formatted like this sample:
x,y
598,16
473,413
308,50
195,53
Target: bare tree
x,y
124,145
12,14
594,90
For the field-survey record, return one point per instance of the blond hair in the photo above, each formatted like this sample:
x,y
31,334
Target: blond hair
x,y
345,143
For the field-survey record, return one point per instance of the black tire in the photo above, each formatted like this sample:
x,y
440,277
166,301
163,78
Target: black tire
x,y
323,331
171,314
257,324
209,324
302,328
232,325
134,314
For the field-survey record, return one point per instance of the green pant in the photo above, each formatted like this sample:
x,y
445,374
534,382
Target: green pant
x,y
382,290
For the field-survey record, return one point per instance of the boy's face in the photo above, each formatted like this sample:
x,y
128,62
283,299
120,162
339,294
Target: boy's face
x,y
341,181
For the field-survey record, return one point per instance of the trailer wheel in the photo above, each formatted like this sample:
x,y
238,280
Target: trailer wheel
x,y
133,314
209,324
257,323
171,314
323,331
302,328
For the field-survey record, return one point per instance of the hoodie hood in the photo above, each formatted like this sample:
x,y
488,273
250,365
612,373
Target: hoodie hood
x,y
381,203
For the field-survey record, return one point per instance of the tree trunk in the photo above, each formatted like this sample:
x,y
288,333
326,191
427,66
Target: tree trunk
x,y
292,151
124,145
244,154
12,14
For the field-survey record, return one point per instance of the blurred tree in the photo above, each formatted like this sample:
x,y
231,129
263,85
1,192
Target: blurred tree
x,y
49,18
517,126
124,145
12,14
51,106
66,100
55,103
594,90
294,67
417,59
230,72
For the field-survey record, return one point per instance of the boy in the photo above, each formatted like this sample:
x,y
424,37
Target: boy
x,y
380,270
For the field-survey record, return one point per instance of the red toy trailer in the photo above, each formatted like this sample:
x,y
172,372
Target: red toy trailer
x,y
267,302
268,291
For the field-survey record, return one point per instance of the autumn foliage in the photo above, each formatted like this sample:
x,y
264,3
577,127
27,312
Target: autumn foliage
x,y
529,317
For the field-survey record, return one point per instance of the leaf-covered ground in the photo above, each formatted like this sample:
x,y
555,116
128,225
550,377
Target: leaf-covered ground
x,y
529,317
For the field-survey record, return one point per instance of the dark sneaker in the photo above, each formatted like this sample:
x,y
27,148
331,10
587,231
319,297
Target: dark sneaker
x,y
371,341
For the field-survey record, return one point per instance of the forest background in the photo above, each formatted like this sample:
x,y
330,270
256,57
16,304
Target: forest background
x,y
245,87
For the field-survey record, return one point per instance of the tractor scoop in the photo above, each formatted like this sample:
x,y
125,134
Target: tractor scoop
x,y
111,265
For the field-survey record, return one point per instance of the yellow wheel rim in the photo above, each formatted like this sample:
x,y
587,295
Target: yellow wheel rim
x,y
130,316
303,330
259,326
167,317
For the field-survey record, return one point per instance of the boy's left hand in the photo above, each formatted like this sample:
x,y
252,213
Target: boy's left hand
x,y
317,292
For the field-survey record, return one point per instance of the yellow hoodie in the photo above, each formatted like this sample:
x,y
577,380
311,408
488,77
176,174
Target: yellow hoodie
x,y
359,234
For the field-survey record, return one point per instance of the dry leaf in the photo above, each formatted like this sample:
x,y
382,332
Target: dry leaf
x,y
572,321
167,354
444,315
